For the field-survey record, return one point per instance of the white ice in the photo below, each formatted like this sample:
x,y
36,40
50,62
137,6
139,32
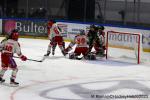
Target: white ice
x,y
59,78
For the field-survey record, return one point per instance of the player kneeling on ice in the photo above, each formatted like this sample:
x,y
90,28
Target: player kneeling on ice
x,y
8,48
55,37
81,47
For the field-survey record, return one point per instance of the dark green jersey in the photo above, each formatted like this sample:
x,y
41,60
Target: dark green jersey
x,y
92,36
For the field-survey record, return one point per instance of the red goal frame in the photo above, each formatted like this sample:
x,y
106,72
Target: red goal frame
x,y
115,32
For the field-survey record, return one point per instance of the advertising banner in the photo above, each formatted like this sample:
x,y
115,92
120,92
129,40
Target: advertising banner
x,y
73,29
26,27
123,40
145,34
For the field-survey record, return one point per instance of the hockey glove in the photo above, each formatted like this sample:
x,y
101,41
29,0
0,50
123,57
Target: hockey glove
x,y
23,58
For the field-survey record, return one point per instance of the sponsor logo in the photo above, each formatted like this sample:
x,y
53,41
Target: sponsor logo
x,y
26,27
129,38
31,27
64,28
9,25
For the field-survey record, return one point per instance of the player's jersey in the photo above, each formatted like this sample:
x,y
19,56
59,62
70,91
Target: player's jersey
x,y
81,41
11,46
54,31
101,37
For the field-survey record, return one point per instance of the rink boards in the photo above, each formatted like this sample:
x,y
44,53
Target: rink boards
x,y
38,29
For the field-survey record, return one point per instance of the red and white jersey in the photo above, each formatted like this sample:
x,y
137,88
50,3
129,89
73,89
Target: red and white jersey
x,y
81,41
11,46
54,31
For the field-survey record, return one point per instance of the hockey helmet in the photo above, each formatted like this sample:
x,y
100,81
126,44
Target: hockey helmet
x,y
82,32
51,22
101,27
92,26
14,34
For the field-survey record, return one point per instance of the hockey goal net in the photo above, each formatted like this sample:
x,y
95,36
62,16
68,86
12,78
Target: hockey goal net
x,y
123,46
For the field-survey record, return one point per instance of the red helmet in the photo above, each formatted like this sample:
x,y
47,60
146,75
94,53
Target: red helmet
x,y
14,34
50,23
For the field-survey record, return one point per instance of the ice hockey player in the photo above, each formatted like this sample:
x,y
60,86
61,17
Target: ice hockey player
x,y
8,48
92,36
51,44
81,47
55,38
99,43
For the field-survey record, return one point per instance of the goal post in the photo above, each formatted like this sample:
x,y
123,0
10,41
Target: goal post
x,y
124,40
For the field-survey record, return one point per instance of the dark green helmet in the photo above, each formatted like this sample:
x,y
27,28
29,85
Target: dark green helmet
x,y
101,27
92,26
82,32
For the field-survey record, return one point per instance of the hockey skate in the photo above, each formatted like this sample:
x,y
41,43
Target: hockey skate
x,y
2,80
13,83
64,53
47,54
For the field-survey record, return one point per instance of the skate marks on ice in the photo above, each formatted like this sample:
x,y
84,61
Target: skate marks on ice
x,y
96,90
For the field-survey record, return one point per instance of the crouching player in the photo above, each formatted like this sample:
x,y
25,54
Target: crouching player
x,y
8,48
81,47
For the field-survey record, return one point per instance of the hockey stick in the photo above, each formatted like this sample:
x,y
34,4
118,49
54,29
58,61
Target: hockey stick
x,y
33,59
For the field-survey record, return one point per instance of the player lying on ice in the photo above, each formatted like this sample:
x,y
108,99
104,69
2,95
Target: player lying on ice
x,y
8,48
55,37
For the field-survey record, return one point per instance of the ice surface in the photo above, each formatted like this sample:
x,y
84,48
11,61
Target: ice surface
x,y
59,78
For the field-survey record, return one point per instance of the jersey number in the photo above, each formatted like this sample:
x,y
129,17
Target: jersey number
x,y
56,30
81,41
8,48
